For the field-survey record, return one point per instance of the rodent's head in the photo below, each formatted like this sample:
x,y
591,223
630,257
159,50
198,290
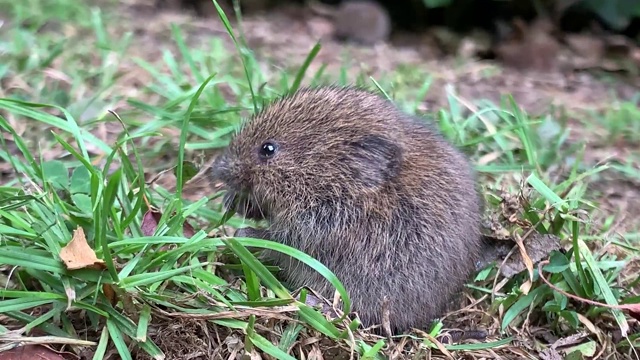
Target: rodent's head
x,y
320,145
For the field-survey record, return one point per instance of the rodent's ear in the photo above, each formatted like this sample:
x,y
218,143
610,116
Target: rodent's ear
x,y
375,160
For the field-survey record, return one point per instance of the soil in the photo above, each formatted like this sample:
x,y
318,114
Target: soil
x,y
283,38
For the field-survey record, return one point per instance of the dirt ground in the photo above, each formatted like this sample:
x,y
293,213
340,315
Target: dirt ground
x,y
284,37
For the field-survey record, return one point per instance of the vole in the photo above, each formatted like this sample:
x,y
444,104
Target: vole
x,y
364,22
378,196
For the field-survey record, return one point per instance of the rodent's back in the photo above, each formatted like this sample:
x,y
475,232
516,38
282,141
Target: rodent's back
x,y
376,195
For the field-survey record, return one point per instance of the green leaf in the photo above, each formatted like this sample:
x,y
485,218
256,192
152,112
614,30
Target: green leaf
x,y
57,310
108,201
27,109
318,321
581,351
252,282
560,299
290,336
56,173
49,328
571,317
125,325
523,303
189,171
557,263
9,231
83,202
34,170
547,193
299,255
551,306
311,316
80,181
241,51
186,53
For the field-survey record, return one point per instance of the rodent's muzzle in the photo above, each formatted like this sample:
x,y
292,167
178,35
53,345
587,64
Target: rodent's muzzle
x,y
222,170
219,170
238,196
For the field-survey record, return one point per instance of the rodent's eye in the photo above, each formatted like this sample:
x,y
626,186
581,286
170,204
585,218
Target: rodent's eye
x,y
268,149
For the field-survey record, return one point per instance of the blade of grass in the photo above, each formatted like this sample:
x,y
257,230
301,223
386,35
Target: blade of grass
x,y
143,324
227,26
305,66
118,340
604,287
183,135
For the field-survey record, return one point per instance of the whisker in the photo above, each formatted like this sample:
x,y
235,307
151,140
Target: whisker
x,y
256,203
245,204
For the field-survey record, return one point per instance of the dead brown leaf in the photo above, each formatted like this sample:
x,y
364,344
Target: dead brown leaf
x,y
77,254
150,221
528,263
110,294
30,352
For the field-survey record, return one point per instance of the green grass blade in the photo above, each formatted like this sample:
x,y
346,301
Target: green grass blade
x,y
118,340
305,66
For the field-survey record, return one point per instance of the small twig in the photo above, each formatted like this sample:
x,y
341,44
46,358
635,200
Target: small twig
x,y
241,312
386,322
41,340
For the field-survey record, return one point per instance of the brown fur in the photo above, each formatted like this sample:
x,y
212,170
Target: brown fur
x,y
376,195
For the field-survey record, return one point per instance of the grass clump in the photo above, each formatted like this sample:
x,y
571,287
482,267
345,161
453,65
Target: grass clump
x,y
107,250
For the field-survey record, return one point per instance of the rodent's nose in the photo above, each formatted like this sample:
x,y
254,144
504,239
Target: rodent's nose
x,y
228,169
219,170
